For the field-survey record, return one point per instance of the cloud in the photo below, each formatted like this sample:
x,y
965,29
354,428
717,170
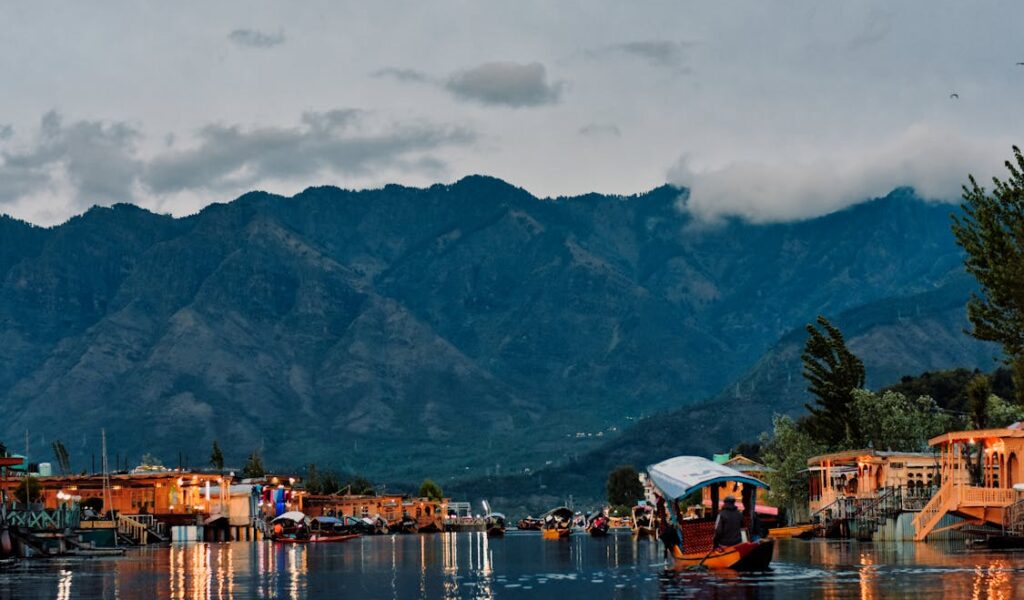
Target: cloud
x,y
6,131
658,53
505,84
400,74
933,162
231,156
600,130
254,38
95,157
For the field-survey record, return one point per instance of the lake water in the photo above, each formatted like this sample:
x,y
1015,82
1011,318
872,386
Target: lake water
x,y
522,565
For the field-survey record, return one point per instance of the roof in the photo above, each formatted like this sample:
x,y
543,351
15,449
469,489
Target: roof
x,y
681,476
852,455
294,515
977,434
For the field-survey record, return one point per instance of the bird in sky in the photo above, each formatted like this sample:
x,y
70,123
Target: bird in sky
x,y
1020,64
954,96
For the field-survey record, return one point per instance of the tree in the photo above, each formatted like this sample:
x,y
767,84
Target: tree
x,y
148,460
991,231
216,457
28,490
358,485
624,488
60,453
833,373
891,421
3,449
786,451
253,468
429,489
978,391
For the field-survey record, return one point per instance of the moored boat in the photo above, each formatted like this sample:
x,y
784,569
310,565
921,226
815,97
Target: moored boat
x,y
557,523
802,532
642,523
495,524
530,524
598,525
691,542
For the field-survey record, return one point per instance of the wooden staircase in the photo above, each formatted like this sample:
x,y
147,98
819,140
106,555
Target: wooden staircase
x,y
961,500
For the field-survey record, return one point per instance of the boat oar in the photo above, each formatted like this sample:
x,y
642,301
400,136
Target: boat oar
x,y
700,566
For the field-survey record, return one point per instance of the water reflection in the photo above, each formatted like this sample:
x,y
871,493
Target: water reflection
x,y
471,565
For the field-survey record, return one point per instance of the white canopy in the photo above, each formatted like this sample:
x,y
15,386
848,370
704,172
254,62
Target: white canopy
x,y
679,477
294,515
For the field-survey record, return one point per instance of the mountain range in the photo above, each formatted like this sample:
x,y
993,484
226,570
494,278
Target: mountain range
x,y
459,331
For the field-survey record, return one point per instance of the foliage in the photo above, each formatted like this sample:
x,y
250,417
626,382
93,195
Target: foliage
x,y
786,451
3,449
751,450
28,490
949,388
253,468
359,485
891,421
149,460
1001,413
978,391
60,453
429,489
624,486
323,482
991,231
216,457
833,373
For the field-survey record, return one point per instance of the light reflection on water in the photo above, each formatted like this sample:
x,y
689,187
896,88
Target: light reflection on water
x,y
521,565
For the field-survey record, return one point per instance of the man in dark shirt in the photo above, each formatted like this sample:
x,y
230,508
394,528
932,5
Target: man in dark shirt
x,y
729,525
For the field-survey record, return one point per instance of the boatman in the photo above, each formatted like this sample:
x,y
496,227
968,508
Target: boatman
x,y
728,525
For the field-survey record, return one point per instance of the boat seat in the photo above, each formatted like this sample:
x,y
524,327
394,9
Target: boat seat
x,y
697,536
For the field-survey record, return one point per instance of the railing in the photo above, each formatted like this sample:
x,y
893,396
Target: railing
x,y
151,523
61,518
1013,520
981,496
129,527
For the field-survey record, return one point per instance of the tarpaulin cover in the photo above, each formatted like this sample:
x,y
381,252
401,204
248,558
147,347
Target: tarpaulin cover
x,y
679,477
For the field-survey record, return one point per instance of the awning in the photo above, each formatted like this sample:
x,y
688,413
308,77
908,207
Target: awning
x,y
758,508
679,477
294,515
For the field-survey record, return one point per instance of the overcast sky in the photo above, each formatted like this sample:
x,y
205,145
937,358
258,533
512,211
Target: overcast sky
x,y
769,110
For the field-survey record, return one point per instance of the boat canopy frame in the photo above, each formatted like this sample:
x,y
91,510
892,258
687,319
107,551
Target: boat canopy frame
x,y
678,477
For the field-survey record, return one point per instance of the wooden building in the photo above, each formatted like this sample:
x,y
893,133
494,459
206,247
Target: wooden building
x,y
979,472
748,467
428,513
867,474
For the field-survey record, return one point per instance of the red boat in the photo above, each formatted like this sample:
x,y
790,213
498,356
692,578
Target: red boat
x,y
315,538
691,541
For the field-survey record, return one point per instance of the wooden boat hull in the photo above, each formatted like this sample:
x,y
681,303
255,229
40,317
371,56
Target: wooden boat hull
x,y
495,532
555,534
598,531
316,539
748,556
796,531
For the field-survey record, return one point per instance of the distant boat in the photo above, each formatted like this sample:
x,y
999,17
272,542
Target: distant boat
x,y
642,523
557,523
495,524
530,524
296,528
598,526
407,525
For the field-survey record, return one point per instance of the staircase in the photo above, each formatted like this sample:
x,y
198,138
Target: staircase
x,y
872,512
138,529
937,507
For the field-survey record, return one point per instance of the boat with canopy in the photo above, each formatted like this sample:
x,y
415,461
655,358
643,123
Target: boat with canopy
x,y
296,528
678,478
557,523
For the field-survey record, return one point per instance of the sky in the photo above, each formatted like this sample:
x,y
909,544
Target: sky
x,y
769,111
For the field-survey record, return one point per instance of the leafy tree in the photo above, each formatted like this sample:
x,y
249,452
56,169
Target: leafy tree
x,y
216,457
28,490
978,391
786,451
991,231
3,449
891,421
429,489
253,468
833,373
624,487
1002,413
149,460
60,453
358,485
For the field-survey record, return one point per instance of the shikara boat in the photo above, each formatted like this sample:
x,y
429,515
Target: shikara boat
x,y
557,523
530,524
642,523
795,531
495,524
296,528
598,526
677,478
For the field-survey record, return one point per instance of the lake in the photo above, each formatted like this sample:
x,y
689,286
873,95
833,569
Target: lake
x,y
521,565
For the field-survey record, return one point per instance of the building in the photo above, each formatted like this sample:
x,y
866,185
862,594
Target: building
x,y
865,474
751,468
981,471
428,513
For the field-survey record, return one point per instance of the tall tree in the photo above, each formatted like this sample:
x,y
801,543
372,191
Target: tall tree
x,y
253,468
978,391
429,489
216,457
991,231
833,373
623,486
60,453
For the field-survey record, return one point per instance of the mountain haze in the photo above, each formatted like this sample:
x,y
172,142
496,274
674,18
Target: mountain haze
x,y
450,331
